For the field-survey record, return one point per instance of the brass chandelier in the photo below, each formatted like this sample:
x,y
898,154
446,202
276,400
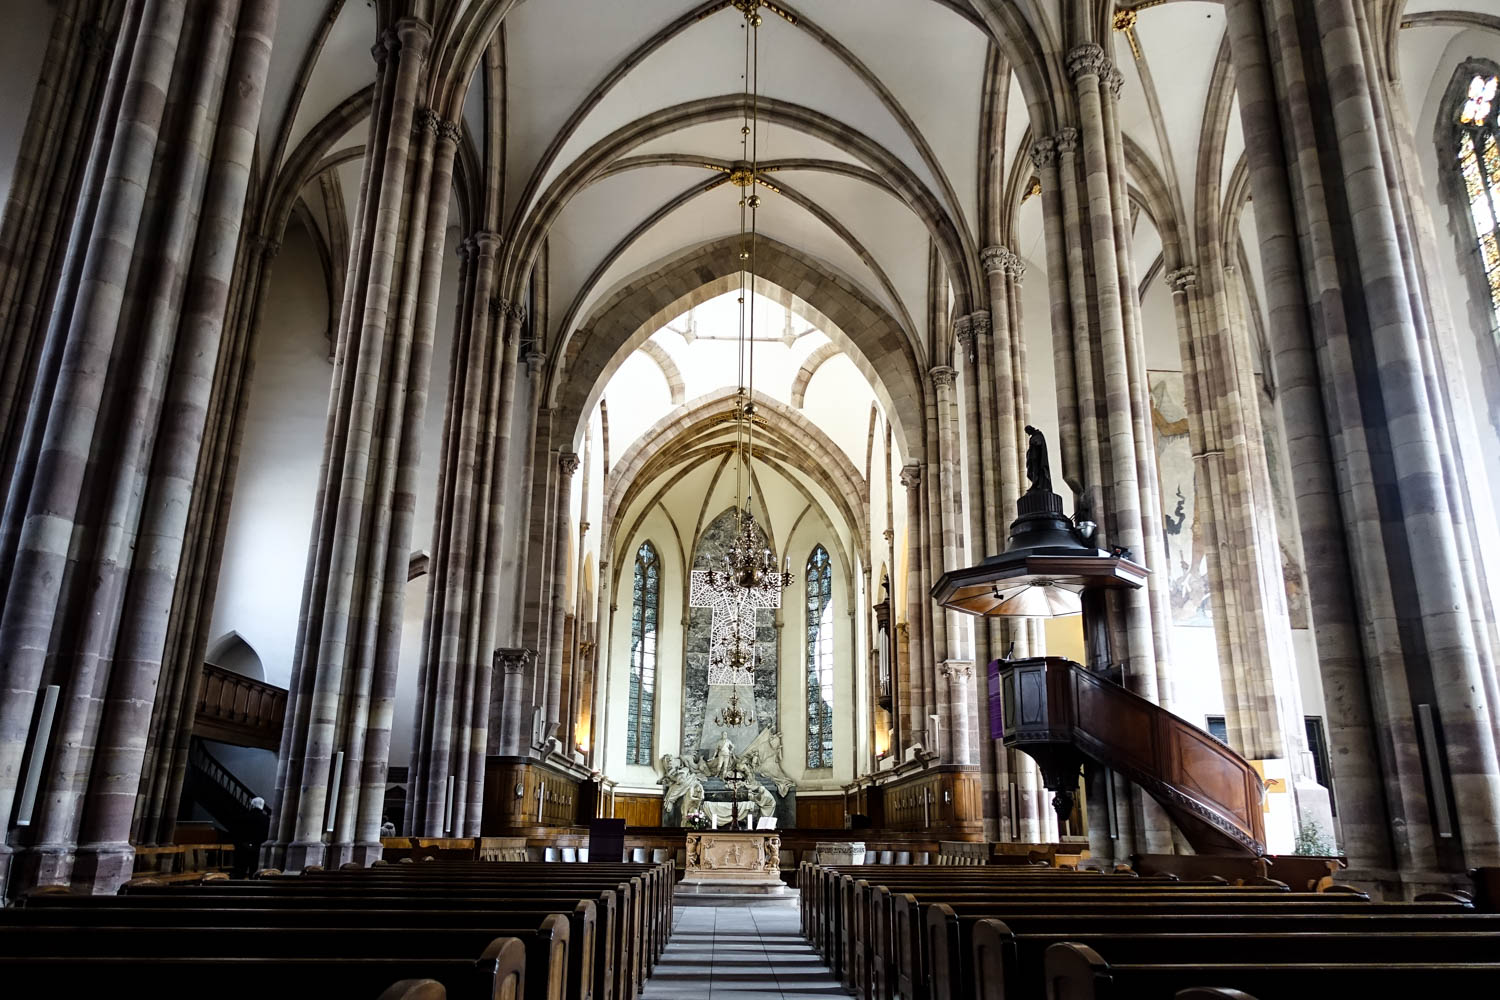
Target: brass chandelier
x,y
748,563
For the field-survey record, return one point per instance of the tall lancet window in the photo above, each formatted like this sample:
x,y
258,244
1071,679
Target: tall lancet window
x,y
819,579
1479,169
647,599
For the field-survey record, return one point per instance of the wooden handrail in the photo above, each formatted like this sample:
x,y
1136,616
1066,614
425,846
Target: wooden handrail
x,y
236,709
1212,793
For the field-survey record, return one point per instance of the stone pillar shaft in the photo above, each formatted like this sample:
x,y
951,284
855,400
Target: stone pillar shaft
x,y
96,514
344,673
567,464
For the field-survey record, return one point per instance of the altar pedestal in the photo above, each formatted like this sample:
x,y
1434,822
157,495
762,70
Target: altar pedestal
x,y
734,863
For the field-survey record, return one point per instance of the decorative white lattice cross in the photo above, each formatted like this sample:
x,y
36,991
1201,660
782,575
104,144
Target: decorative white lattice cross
x,y
733,620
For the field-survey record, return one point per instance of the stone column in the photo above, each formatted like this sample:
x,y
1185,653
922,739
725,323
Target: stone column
x,y
44,193
331,778
1404,670
453,711
96,512
958,708
514,708
911,478
567,464
950,527
1086,64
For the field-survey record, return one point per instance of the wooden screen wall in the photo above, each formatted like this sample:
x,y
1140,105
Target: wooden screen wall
x,y
824,812
638,810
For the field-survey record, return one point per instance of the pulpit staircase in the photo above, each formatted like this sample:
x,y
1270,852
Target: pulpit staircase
x,y
213,786
1059,713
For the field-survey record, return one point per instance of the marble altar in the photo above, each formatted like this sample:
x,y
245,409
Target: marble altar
x,y
743,861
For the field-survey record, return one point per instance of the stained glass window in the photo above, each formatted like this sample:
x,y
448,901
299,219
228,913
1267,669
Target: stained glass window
x,y
641,732
819,579
1479,169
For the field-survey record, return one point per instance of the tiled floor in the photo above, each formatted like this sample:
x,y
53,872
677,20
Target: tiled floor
x,y
740,953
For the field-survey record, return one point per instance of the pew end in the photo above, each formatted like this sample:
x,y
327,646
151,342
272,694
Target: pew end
x,y
503,964
994,949
415,989
1075,972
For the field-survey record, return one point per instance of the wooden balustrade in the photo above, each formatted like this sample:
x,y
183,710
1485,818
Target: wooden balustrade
x,y
236,709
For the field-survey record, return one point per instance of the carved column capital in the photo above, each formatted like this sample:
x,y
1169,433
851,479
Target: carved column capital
x,y
981,320
1115,81
1067,141
266,246
486,242
1044,153
956,670
384,46
1183,279
415,35
449,130
911,475
513,660
1014,266
465,249
993,258
534,362
425,120
963,333
514,310
567,463
1088,60
943,376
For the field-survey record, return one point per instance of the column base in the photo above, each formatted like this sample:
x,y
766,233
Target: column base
x,y
45,864
367,854
100,869
336,855
7,858
300,854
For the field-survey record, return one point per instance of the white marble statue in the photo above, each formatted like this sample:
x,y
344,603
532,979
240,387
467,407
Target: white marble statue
x,y
722,762
763,756
681,785
761,803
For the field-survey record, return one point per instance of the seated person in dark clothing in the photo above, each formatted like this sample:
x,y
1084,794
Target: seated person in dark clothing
x,y
251,833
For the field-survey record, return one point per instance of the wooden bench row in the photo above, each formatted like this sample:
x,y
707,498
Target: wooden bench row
x,y
994,933
515,931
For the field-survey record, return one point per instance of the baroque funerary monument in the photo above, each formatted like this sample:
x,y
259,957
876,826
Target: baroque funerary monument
x,y
392,393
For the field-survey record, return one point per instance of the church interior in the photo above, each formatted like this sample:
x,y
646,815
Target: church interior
x,y
578,482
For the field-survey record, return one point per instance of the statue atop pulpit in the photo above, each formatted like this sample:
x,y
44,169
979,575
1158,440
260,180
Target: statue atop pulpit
x,y
1038,469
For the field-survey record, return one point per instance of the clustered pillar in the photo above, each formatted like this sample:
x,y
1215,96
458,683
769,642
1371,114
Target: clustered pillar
x,y
1404,630
1106,444
115,402
331,773
455,680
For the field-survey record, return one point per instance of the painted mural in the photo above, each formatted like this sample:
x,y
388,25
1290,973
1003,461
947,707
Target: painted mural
x,y
1187,555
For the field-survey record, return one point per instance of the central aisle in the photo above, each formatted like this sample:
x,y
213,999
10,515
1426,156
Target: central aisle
x,y
740,953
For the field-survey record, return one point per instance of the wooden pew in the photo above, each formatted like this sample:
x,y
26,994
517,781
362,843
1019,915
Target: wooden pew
x,y
1077,972
617,955
958,951
861,919
900,964
657,881
1010,965
498,974
560,972
638,927
425,911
